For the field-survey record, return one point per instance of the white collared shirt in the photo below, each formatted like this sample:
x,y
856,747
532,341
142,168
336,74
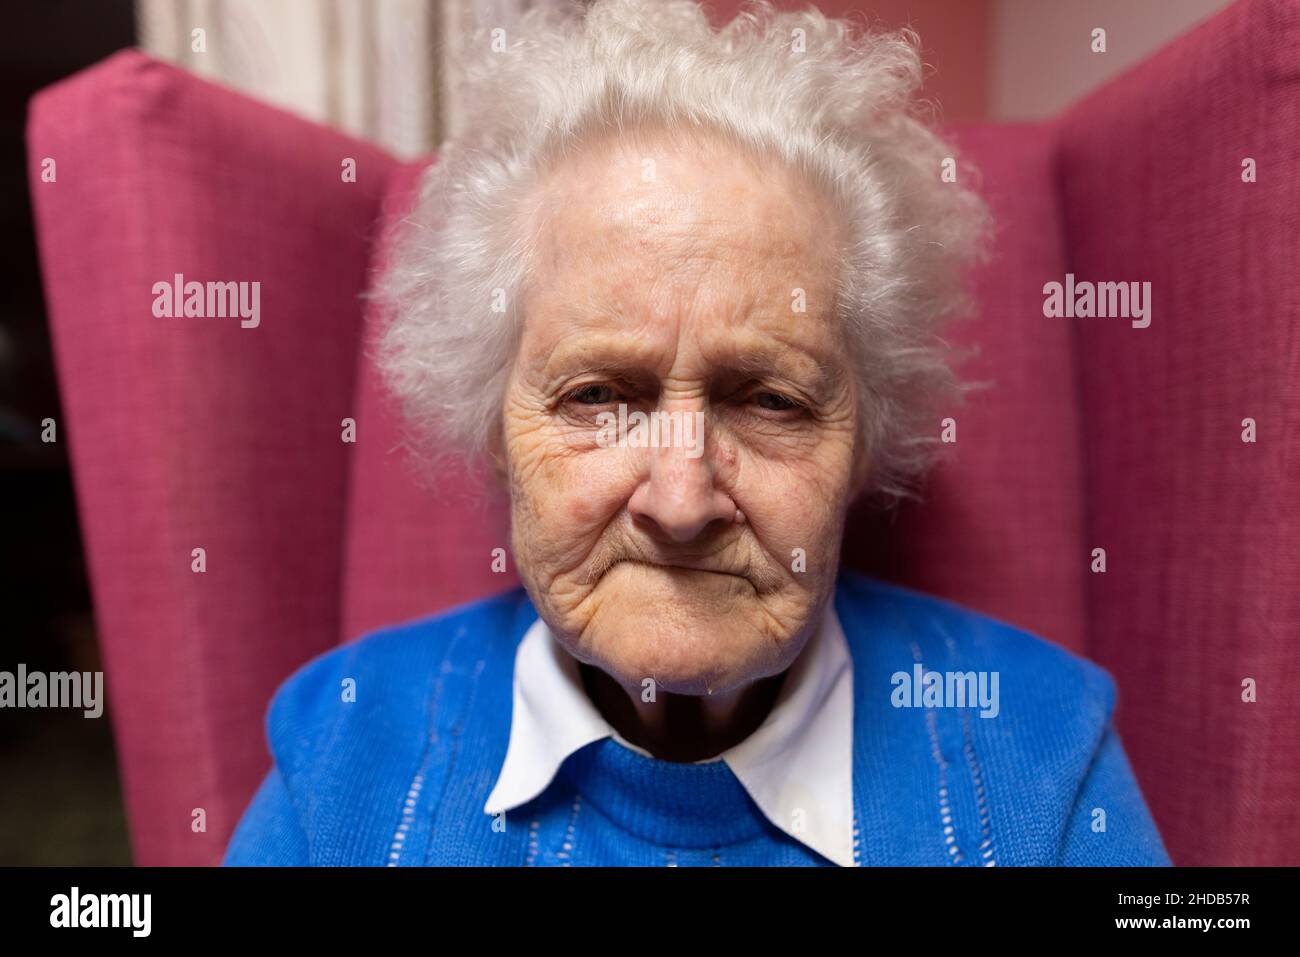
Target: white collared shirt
x,y
797,766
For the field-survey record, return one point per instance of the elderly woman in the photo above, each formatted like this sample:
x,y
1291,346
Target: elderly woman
x,y
682,288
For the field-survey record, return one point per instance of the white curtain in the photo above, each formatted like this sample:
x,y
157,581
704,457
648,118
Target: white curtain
x,y
374,68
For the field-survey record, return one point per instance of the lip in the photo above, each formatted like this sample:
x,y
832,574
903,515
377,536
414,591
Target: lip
x,y
678,566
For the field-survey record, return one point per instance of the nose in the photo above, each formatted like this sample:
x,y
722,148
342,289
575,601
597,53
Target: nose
x,y
679,498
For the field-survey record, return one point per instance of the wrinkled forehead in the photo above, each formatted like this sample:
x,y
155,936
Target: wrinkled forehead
x,y
653,228
653,186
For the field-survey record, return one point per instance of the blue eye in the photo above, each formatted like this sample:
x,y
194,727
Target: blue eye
x,y
592,395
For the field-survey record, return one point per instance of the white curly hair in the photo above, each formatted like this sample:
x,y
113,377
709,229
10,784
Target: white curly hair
x,y
834,100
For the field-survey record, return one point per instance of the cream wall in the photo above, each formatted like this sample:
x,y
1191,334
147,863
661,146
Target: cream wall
x,y
1041,49
375,67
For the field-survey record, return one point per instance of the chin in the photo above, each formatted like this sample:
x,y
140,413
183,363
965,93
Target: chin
x,y
694,632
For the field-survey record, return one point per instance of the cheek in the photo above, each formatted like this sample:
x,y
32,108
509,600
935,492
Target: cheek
x,y
582,511
797,503
561,510
567,494
594,487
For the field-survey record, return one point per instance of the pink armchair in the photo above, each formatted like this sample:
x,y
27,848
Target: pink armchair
x,y
196,433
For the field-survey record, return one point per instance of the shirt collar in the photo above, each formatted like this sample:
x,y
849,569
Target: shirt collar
x,y
797,766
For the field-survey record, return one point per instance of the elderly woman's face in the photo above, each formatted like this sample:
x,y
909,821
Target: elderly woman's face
x,y
673,281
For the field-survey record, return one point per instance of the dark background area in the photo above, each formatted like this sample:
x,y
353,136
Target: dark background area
x,y
60,799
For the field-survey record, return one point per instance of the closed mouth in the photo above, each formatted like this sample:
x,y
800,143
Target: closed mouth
x,y
676,567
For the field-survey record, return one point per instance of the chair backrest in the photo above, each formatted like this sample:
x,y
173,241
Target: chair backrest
x,y
416,543
1201,529
1000,527
198,433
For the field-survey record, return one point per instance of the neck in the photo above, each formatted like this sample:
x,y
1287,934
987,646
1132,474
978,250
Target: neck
x,y
677,727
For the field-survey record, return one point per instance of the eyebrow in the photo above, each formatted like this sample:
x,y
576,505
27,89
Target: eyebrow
x,y
619,356
783,360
